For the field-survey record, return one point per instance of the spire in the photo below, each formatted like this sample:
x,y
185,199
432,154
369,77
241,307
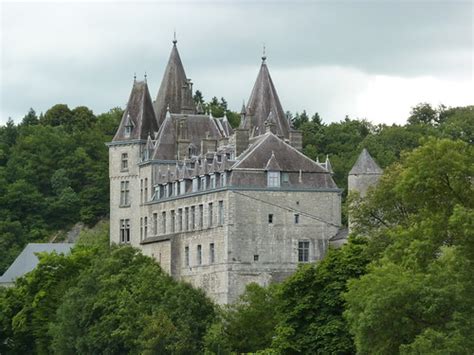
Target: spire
x,y
263,99
138,120
174,38
243,110
365,164
173,85
264,57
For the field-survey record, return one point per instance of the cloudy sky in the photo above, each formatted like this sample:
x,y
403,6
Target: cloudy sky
x,y
367,59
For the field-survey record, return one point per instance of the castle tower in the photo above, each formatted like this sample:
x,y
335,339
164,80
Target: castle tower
x,y
263,100
126,150
364,174
175,90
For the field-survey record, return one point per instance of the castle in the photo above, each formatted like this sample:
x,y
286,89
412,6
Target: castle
x,y
218,207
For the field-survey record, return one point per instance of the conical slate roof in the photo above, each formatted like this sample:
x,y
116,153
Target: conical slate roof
x,y
170,92
263,100
365,164
138,114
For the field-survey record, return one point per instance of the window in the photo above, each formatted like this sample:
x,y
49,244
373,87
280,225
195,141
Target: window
x,y
203,183
270,218
155,223
163,222
211,253
124,193
221,213
210,215
124,231
273,179
255,257
201,216
199,255
128,131
173,220
223,179
195,184
193,217
182,187
166,192
213,181
176,188
180,220
186,256
285,178
297,218
141,228
145,196
141,190
303,251
145,226
124,162
186,218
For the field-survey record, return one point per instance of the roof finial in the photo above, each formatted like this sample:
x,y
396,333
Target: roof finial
x,y
174,38
264,57
134,77
145,77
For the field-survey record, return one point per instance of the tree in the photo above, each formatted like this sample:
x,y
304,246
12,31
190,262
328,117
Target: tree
x,y
420,223
57,115
246,325
198,97
30,118
311,303
125,303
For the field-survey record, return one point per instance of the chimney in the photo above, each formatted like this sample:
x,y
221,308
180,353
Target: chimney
x,y
296,139
241,140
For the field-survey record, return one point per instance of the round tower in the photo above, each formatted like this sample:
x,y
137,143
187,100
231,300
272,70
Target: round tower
x,y
364,174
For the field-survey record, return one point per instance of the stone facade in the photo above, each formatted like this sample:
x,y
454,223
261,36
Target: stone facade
x,y
217,208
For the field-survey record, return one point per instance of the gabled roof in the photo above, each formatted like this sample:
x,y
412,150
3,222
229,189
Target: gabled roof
x,y
263,100
27,260
170,91
365,164
138,114
197,127
258,154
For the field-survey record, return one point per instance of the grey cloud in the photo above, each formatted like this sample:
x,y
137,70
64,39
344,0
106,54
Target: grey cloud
x,y
86,53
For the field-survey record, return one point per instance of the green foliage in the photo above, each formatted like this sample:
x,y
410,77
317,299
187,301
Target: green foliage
x,y
101,300
311,303
52,174
247,325
420,220
130,306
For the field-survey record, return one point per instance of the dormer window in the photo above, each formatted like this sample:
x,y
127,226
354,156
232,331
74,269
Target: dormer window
x,y
223,179
213,181
273,179
203,183
128,126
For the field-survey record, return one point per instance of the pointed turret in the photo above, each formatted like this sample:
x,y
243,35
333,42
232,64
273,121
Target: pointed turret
x,y
263,100
138,120
365,164
175,89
